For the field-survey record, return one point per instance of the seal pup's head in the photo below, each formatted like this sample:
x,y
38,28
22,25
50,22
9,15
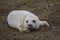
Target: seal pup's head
x,y
31,22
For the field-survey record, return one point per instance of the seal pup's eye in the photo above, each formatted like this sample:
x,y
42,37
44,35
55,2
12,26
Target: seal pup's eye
x,y
34,21
27,21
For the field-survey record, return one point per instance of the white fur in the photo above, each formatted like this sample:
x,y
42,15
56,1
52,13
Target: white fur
x,y
42,23
17,19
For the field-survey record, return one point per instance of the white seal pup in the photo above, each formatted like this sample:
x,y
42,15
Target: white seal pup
x,y
24,20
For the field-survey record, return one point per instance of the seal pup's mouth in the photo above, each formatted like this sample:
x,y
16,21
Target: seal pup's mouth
x,y
32,29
